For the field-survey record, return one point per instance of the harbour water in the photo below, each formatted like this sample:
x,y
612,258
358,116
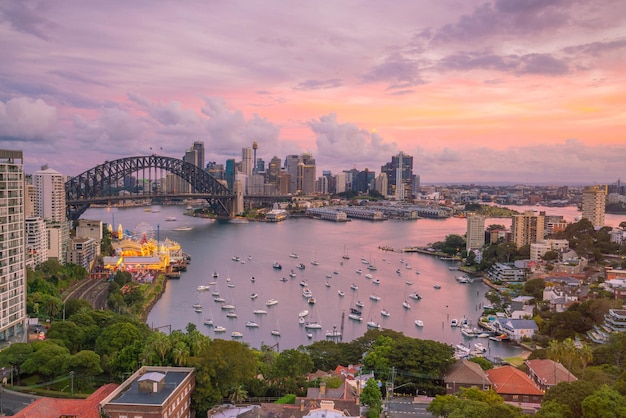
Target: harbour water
x,y
213,245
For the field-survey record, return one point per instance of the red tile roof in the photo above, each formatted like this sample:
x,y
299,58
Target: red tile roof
x,y
550,372
54,408
509,380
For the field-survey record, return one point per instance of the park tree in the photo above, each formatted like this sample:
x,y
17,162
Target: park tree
x,y
570,394
68,334
117,336
289,368
604,403
550,255
14,356
85,364
534,288
48,359
506,252
157,347
325,354
377,358
554,409
371,397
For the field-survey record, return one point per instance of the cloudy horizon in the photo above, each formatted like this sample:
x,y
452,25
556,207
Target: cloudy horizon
x,y
517,91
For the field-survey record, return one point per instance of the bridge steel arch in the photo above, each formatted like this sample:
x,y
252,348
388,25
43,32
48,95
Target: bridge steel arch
x,y
93,186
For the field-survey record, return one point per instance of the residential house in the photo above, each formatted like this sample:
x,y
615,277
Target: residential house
x,y
514,385
465,374
515,329
547,373
559,297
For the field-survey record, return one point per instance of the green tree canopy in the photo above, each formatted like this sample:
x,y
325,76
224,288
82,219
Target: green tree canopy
x,y
604,403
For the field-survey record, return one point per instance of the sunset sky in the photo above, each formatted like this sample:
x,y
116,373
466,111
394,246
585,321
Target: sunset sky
x,y
528,91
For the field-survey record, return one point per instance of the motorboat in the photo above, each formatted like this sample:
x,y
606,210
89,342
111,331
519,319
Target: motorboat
x,y
277,266
215,275
415,296
198,309
327,284
359,304
311,301
252,279
315,263
454,323
306,292
301,266
219,299
212,283
374,297
254,296
271,302
368,276
406,305
371,267
231,285
373,325
215,294
480,348
276,333
309,335
292,273
359,271
303,313
301,320
236,334
228,307
355,317
303,283
252,324
236,258
437,286
376,281
354,287
313,325
328,276
385,313
219,329
231,314
341,293
293,255
419,323
208,322
409,283
203,287
284,279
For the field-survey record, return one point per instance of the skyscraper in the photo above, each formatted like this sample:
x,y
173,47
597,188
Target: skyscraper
x,y
50,206
527,228
198,146
594,205
399,176
247,161
475,238
13,272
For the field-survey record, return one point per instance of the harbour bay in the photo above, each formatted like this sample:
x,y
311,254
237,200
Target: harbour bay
x,y
257,245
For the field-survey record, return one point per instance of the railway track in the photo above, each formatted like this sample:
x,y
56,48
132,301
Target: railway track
x,y
92,290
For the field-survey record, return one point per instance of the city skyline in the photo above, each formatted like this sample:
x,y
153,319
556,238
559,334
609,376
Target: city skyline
x,y
495,91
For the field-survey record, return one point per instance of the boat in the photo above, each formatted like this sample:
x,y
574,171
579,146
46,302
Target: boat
x,y
293,255
311,301
208,322
417,272
231,314
327,284
228,307
356,311
462,279
301,266
364,260
333,334
303,283
306,292
376,281
419,323
328,276
406,305
462,349
399,272
359,271
355,317
313,325
292,273
219,300
236,334
303,313
483,335
480,348
254,296
284,279
197,305
301,320
373,325
219,329
409,283
276,333
454,322
368,276
309,335
437,286
354,287
341,293
251,324
277,266
236,258
183,228
215,275
359,304
203,287
252,279
374,297
231,285
385,313
170,218
315,263
198,309
271,302
415,296
371,267
147,210
213,283
345,255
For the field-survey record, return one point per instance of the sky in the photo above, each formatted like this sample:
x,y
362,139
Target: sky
x,y
523,91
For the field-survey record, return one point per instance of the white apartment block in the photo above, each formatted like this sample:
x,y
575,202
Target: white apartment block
x,y
36,242
12,245
58,239
88,228
475,235
82,252
539,248
594,205
49,195
527,228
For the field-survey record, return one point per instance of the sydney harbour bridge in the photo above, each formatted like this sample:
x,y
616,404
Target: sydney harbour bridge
x,y
100,185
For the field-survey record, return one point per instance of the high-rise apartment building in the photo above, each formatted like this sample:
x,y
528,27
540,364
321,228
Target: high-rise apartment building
x,y
12,242
527,228
36,241
381,183
291,168
594,205
475,236
50,206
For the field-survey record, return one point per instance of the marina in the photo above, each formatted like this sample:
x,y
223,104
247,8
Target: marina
x,y
211,246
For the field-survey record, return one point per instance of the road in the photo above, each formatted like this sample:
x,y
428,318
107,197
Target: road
x,y
406,407
13,402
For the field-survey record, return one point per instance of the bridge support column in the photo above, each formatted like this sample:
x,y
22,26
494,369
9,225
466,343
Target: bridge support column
x,y
238,202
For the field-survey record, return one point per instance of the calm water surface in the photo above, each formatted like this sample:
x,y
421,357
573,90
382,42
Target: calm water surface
x,y
212,246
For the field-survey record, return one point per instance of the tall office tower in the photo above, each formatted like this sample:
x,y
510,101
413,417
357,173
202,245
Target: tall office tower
x,y
273,171
306,178
381,183
341,182
50,206
36,241
399,176
229,173
216,170
259,166
198,146
322,185
13,271
50,195
527,228
594,205
291,168
247,161
475,238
